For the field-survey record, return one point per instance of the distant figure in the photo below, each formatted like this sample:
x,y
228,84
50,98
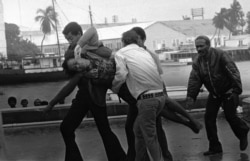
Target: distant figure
x,y
12,102
24,103
37,102
44,103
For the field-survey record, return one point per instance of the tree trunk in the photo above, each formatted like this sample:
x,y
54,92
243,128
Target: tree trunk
x,y
219,36
42,43
214,34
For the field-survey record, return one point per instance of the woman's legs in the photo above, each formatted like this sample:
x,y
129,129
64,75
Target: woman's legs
x,y
175,112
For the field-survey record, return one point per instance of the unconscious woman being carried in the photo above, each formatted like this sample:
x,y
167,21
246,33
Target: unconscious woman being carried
x,y
101,72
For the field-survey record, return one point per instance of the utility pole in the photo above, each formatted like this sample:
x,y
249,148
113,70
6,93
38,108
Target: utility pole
x,y
90,16
58,44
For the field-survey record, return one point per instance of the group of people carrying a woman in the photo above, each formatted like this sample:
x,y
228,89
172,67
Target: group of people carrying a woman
x,y
134,73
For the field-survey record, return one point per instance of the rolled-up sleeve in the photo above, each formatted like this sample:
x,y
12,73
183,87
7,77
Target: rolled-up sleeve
x,y
89,37
120,74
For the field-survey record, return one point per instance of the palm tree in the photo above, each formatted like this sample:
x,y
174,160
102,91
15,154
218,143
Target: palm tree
x,y
219,21
48,20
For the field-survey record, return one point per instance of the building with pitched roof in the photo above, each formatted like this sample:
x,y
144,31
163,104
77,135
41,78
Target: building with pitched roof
x,y
160,35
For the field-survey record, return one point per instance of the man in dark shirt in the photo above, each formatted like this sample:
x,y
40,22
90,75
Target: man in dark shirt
x,y
216,70
83,103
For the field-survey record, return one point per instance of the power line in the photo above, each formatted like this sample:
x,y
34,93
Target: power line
x,y
58,6
77,6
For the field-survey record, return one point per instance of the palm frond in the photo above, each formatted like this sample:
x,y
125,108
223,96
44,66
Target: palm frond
x,y
47,18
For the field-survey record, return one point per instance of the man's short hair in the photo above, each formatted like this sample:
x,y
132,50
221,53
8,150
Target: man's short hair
x,y
130,37
207,40
140,32
73,28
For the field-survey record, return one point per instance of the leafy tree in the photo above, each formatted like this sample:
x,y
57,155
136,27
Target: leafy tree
x,y
248,23
48,20
219,21
235,17
231,18
17,48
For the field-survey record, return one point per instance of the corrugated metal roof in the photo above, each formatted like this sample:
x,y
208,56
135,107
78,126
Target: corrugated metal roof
x,y
194,28
115,32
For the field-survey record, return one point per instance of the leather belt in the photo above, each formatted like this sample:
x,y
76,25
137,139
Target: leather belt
x,y
151,94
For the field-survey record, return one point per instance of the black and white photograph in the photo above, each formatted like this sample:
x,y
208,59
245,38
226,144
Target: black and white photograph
x,y
124,80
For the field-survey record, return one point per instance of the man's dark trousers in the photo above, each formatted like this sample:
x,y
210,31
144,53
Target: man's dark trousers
x,y
229,106
79,108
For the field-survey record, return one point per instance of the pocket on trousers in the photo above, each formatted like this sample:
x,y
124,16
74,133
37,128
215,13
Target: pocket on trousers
x,y
147,104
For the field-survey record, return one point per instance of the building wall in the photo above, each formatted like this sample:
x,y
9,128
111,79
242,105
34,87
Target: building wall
x,y
238,41
113,44
3,46
53,49
159,35
50,42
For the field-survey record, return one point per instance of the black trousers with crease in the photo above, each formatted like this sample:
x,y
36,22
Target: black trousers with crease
x,y
79,108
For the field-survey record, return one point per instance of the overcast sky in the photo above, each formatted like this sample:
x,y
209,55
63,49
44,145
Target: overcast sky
x,y
22,12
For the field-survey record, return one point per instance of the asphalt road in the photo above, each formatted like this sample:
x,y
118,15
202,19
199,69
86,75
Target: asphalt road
x,y
46,144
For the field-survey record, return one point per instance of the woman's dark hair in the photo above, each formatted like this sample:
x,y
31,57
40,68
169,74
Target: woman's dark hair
x,y
68,72
140,32
130,37
73,28
69,54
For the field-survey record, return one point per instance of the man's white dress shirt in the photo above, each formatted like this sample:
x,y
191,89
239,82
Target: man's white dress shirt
x,y
136,67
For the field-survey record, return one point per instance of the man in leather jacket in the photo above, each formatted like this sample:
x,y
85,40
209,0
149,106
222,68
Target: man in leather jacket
x,y
215,69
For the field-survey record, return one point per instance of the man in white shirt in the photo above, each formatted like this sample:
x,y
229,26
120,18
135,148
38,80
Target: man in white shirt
x,y
136,67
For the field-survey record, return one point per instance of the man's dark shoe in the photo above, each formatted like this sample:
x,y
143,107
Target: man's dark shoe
x,y
244,142
211,152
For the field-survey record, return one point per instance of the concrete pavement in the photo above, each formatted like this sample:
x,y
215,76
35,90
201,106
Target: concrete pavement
x,y
45,143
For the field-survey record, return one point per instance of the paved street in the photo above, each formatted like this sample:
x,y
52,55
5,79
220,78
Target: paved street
x,y
46,144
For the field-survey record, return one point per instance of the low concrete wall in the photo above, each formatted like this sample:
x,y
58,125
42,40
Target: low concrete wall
x,y
35,115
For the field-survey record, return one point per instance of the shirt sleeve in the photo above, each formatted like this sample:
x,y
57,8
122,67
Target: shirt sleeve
x,y
89,38
157,61
66,90
233,73
120,74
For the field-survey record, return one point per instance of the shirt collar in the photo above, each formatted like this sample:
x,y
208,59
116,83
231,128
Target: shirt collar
x,y
129,47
